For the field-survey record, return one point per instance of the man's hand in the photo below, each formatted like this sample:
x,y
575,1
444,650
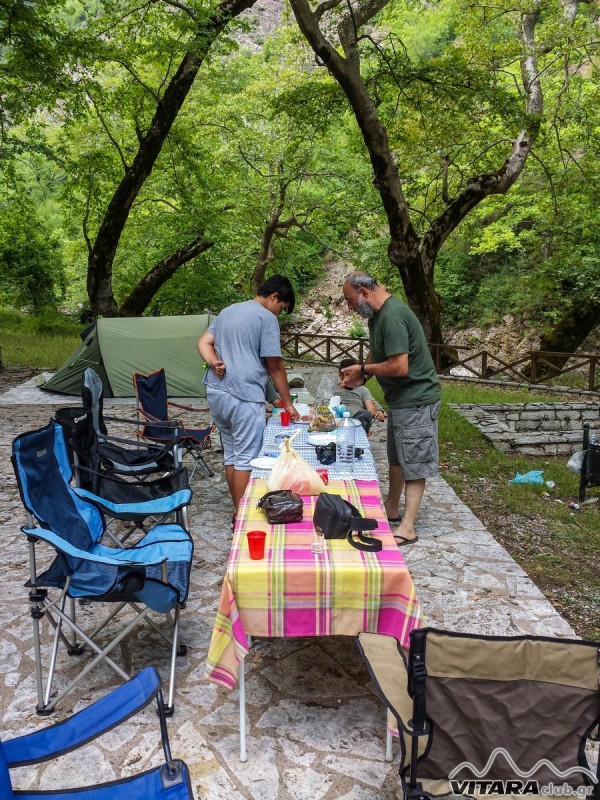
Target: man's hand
x,y
219,368
294,414
379,416
351,377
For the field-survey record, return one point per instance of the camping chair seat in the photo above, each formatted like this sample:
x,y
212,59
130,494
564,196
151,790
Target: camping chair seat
x,y
153,406
488,708
170,781
152,575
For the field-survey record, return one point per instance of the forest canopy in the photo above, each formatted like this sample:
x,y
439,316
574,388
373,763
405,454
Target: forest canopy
x,y
165,157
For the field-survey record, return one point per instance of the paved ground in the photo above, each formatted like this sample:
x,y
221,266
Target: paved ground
x,y
316,730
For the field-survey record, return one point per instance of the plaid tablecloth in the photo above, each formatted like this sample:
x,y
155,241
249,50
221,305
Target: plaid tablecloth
x,y
293,592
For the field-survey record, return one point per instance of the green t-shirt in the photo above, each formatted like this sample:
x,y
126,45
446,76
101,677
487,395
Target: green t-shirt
x,y
393,330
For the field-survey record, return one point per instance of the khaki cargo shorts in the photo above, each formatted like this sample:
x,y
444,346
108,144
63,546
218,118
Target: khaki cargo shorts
x,y
412,440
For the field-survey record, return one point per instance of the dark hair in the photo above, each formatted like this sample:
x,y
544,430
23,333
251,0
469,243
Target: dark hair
x,y
281,286
347,362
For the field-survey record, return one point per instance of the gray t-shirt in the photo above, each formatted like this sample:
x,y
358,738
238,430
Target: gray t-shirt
x,y
354,399
245,334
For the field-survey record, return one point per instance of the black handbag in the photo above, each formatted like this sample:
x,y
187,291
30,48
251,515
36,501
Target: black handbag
x,y
336,518
281,506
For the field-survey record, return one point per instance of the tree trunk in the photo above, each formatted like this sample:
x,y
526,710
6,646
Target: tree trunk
x,y
415,257
570,332
102,253
142,294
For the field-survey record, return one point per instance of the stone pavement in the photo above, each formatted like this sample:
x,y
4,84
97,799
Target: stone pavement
x,y
316,730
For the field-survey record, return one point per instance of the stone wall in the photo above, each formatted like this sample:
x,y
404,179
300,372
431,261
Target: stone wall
x,y
533,428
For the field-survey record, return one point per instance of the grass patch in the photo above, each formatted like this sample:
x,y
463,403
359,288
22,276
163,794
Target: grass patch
x,y
43,341
555,544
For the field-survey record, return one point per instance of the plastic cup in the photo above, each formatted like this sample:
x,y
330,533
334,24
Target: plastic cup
x,y
256,544
284,418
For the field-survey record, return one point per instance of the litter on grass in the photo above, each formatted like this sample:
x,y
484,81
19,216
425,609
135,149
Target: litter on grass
x,y
535,476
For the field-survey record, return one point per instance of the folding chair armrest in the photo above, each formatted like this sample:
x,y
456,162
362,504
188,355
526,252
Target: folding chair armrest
x,y
165,423
89,723
186,408
160,505
63,546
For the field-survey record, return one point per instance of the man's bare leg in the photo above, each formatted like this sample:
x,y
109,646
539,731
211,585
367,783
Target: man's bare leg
x,y
413,494
396,485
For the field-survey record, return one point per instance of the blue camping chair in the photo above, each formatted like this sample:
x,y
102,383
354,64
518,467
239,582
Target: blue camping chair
x,y
153,406
152,575
171,781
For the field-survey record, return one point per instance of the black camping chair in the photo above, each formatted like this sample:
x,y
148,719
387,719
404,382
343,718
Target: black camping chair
x,y
590,466
496,709
153,406
120,485
123,455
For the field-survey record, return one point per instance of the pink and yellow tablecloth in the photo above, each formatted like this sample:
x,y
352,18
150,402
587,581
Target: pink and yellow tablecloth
x,y
293,592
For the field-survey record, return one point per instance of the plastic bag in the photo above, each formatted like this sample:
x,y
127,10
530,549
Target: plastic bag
x,y
326,389
535,476
322,419
576,461
292,472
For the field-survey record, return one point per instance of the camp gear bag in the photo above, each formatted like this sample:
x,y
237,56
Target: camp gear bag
x,y
281,506
336,518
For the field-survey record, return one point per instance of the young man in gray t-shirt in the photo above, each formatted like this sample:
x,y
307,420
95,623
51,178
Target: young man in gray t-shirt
x,y
241,349
359,401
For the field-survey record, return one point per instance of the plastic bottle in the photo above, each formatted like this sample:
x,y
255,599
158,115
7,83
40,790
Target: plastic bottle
x,y
345,441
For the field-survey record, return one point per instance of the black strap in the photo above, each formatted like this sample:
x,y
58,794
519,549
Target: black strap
x,y
360,523
365,542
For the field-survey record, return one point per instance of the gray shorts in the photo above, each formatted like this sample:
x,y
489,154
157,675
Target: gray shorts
x,y
412,441
241,424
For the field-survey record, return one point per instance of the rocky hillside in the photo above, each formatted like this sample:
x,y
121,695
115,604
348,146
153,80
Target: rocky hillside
x,y
324,311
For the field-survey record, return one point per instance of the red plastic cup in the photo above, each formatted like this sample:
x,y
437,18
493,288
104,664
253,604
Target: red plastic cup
x,y
324,475
256,544
285,418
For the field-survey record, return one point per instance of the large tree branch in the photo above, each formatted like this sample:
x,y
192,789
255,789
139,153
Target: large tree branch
x,y
385,172
99,285
142,294
499,182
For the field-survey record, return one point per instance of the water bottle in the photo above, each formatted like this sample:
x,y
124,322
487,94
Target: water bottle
x,y
345,441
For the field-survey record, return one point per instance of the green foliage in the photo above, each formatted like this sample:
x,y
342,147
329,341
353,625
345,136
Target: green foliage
x,y
32,270
37,340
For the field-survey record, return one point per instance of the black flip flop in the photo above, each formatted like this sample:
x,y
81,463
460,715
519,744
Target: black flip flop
x,y
395,521
402,541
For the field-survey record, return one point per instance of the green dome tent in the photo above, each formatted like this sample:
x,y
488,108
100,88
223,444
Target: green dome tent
x,y
116,348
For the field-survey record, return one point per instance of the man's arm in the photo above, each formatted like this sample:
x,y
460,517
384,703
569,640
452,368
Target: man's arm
x,y
276,369
395,366
372,408
206,348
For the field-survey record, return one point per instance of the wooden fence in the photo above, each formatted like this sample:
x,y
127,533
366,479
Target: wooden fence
x,y
534,368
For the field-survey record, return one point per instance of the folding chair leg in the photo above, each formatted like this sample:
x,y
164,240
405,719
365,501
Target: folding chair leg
x,y
170,708
389,746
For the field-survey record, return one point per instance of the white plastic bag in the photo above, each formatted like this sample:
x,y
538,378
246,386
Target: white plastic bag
x,y
292,472
576,461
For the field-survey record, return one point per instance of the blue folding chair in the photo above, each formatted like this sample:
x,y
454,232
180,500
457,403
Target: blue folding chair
x,y
153,406
170,781
152,575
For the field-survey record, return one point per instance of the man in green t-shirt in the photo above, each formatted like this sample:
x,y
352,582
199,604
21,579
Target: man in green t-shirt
x,y
400,360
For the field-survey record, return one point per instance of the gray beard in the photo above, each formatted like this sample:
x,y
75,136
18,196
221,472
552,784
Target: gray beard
x,y
364,310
